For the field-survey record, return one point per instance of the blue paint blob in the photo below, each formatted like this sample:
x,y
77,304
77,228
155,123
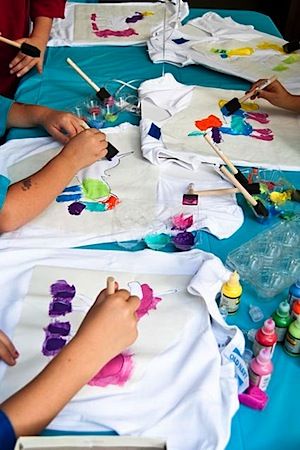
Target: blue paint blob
x,y
157,241
68,198
154,131
75,188
180,41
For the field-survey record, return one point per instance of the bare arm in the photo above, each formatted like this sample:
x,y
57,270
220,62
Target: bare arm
x,y
61,125
109,327
28,198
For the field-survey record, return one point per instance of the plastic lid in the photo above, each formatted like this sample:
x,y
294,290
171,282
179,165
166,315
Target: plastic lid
x,y
264,356
234,279
283,309
269,326
297,322
296,307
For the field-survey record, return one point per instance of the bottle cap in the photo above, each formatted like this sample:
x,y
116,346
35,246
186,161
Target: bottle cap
x,y
234,279
255,313
283,309
264,356
269,326
296,307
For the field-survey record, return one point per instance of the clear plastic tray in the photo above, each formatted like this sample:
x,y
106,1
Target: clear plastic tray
x,y
270,262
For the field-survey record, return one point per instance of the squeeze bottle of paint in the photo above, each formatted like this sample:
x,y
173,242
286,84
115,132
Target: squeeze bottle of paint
x,y
294,292
296,309
265,337
292,338
282,320
231,293
260,369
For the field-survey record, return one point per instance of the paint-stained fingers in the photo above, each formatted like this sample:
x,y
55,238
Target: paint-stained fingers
x,y
8,352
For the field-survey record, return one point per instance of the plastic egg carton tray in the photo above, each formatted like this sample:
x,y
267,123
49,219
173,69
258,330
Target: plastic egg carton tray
x,y
270,262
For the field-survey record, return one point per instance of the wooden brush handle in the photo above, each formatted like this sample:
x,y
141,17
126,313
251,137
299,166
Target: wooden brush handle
x,y
238,185
110,285
83,75
221,155
216,192
10,42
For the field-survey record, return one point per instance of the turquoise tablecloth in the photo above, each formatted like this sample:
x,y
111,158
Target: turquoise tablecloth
x,y
59,86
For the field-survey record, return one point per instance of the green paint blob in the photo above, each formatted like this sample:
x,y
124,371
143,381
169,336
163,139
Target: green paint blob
x,y
280,68
110,117
291,59
94,189
95,207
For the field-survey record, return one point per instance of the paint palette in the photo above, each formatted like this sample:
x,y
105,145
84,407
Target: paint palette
x,y
271,261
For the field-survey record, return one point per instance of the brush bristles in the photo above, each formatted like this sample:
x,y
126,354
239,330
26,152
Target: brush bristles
x,y
190,199
230,107
111,151
103,94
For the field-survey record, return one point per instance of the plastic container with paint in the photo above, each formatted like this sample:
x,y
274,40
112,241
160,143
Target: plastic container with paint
x,y
231,293
282,320
294,292
292,339
260,369
295,309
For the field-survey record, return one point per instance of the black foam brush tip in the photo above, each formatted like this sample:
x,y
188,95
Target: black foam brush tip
x,y
30,50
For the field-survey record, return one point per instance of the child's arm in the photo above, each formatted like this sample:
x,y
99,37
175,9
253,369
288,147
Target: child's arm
x,y
276,94
61,125
8,351
109,328
28,198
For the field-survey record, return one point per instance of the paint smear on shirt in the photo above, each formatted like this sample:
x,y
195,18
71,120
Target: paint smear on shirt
x,y
270,46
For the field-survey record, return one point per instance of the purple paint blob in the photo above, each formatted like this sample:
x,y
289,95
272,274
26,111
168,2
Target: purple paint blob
x,y
52,345
117,371
62,290
59,328
148,301
60,308
216,135
184,241
76,208
137,16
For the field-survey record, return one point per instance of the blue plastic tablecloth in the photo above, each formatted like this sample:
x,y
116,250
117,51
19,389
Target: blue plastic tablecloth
x,y
276,427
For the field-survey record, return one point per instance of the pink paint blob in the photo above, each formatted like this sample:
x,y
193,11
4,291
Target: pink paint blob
x,y
264,134
259,117
117,371
148,301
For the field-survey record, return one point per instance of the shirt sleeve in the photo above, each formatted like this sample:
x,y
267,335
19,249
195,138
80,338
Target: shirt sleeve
x,y
47,8
7,434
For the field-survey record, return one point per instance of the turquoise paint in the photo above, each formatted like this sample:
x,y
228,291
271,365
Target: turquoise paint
x,y
95,207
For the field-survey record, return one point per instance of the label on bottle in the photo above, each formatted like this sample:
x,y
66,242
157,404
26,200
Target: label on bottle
x,y
231,303
260,381
281,332
257,348
292,344
292,298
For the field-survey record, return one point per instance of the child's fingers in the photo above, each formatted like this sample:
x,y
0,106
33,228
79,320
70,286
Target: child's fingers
x,y
134,302
8,351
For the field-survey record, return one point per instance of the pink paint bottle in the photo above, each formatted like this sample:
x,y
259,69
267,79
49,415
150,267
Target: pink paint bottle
x,y
260,369
265,337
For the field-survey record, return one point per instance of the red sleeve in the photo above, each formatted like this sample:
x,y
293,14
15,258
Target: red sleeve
x,y
47,8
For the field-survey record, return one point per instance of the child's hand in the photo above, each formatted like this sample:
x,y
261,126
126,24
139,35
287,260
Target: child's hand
x,y
275,93
8,351
21,64
61,125
85,149
110,325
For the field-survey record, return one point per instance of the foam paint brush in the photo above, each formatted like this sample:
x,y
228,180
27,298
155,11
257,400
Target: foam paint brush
x,y
191,197
234,104
258,207
27,49
101,92
292,46
252,188
111,149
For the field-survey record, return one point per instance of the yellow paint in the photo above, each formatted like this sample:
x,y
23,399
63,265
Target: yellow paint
x,y
148,13
280,197
243,51
270,46
247,106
